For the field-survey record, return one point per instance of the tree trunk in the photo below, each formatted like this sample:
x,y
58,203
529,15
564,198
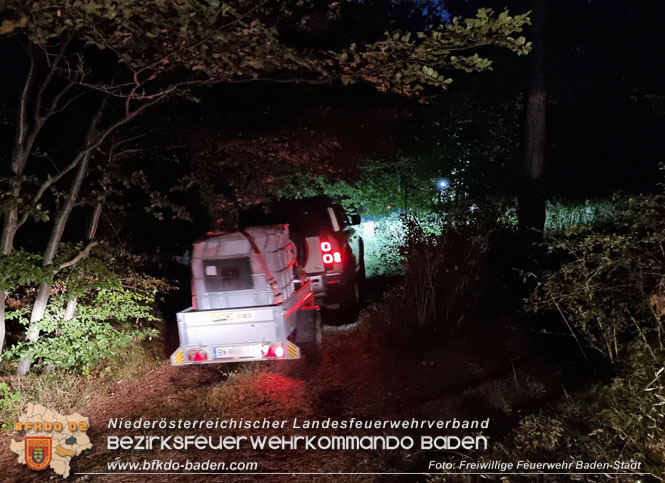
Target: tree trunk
x,y
532,198
32,334
70,311
41,300
24,139
3,326
9,227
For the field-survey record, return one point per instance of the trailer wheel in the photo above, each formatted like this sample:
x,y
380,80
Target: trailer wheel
x,y
362,274
350,299
309,334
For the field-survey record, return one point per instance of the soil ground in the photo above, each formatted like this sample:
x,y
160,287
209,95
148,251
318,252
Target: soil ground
x,y
499,375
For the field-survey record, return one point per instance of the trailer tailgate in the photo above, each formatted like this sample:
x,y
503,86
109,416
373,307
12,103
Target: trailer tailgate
x,y
228,326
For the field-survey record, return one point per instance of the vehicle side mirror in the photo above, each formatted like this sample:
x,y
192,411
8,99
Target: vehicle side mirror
x,y
354,219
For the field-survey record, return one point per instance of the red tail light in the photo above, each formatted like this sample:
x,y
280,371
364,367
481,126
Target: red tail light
x,y
197,355
275,350
329,257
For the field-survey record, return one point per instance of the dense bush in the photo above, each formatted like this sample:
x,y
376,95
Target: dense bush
x,y
20,269
382,237
385,237
8,401
609,290
610,285
101,326
442,273
562,215
443,263
622,420
114,306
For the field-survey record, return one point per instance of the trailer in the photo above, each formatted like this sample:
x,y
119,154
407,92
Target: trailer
x,y
250,302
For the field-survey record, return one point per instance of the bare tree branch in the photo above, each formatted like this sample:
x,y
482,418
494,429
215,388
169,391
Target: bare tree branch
x,y
77,159
21,122
85,253
53,107
91,146
67,103
49,75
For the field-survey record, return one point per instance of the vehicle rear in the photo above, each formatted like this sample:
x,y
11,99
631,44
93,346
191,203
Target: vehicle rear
x,y
328,248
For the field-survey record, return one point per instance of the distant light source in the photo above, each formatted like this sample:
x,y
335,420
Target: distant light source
x,y
443,183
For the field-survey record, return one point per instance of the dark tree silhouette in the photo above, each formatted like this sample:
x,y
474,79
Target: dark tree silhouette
x,y
532,197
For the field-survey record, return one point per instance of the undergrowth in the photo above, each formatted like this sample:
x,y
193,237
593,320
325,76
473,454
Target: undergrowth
x,y
64,391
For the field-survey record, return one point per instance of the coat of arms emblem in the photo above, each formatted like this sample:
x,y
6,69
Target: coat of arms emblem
x,y
37,452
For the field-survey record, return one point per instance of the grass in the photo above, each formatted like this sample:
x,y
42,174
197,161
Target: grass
x,y
563,215
68,392
133,361
254,392
383,235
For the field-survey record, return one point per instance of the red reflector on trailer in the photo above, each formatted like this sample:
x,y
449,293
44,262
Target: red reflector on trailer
x,y
325,246
275,350
197,356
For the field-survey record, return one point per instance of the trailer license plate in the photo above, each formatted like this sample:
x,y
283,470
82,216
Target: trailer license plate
x,y
237,351
231,316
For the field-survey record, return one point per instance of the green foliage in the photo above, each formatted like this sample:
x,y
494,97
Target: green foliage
x,y
21,268
230,40
239,41
562,216
165,48
115,308
12,197
610,277
383,238
67,391
622,420
99,270
442,265
381,187
538,434
609,288
98,330
407,63
8,405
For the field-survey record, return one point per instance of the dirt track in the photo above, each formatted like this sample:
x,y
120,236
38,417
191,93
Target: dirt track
x,y
357,377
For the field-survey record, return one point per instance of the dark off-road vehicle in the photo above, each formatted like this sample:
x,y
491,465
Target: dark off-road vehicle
x,y
328,247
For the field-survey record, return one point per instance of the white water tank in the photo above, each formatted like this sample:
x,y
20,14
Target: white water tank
x,y
228,273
